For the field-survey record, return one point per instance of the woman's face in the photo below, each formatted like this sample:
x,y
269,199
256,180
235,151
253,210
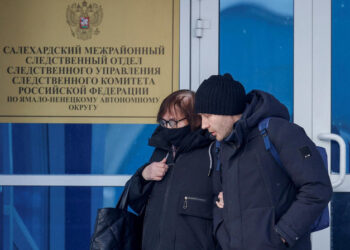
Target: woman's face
x,y
177,119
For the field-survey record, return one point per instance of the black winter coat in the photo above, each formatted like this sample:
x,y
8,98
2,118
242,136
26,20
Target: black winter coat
x,y
264,202
178,213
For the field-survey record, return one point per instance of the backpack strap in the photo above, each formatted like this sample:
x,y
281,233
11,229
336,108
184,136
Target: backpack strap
x,y
323,220
263,125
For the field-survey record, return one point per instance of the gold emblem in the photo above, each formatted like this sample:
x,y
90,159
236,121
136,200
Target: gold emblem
x,y
83,19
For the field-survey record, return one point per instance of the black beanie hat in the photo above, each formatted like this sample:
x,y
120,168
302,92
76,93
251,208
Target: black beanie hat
x,y
220,95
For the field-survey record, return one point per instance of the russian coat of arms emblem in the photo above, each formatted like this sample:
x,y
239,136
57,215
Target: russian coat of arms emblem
x,y
83,19
84,22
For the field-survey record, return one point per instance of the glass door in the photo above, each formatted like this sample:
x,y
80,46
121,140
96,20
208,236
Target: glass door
x,y
298,51
321,90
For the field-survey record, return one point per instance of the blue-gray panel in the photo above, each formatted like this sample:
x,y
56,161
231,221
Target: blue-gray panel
x,y
51,217
74,148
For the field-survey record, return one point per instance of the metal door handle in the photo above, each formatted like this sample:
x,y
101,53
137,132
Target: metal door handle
x,y
336,182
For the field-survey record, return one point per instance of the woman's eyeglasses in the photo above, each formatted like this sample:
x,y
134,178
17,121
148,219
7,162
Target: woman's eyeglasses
x,y
172,123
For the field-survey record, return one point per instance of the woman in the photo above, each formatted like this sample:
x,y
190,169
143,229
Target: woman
x,y
176,183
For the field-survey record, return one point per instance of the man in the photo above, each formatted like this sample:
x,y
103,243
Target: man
x,y
263,206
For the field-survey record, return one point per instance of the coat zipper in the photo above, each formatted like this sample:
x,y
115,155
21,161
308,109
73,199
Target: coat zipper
x,y
186,198
167,194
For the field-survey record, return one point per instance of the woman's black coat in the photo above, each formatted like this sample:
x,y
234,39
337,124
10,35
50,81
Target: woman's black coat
x,y
178,213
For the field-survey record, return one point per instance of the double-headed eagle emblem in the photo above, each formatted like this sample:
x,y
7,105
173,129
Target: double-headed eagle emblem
x,y
84,19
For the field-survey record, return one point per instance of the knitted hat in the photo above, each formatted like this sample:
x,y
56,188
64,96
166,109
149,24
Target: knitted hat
x,y
220,95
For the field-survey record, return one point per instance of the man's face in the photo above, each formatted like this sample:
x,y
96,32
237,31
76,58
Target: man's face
x,y
220,126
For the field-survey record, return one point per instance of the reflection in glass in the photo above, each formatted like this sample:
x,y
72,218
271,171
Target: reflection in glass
x,y
74,148
340,75
340,231
51,217
256,45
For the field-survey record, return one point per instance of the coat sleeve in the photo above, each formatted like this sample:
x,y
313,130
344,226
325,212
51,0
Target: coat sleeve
x,y
306,169
140,189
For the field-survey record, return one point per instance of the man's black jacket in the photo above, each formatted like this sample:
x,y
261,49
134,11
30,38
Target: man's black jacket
x,y
264,202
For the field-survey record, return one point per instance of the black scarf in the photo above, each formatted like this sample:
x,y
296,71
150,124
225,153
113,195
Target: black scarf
x,y
175,135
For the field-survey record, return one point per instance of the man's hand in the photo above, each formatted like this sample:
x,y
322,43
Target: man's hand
x,y
220,203
155,171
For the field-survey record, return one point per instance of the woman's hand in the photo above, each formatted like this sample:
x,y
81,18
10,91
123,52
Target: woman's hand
x,y
155,171
220,203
